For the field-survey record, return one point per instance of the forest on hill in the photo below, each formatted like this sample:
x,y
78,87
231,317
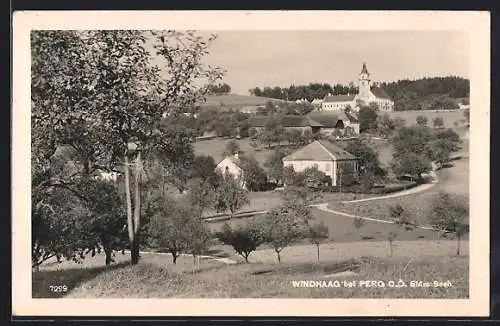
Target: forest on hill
x,y
432,93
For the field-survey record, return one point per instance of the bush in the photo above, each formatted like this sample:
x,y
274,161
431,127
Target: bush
x,y
244,239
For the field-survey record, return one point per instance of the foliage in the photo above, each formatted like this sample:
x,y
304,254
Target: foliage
x,y
449,214
314,178
204,168
176,228
367,118
230,195
367,157
438,122
421,120
232,147
385,125
293,136
274,164
281,228
244,239
317,234
401,216
412,164
309,92
201,195
254,176
219,89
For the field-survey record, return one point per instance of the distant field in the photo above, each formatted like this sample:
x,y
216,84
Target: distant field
x,y
449,117
235,101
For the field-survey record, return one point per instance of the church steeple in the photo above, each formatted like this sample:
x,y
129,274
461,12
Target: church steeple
x,y
364,83
364,70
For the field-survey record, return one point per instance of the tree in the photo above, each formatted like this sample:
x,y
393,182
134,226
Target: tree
x,y
367,118
232,147
244,239
99,92
401,217
313,178
293,136
421,120
391,236
307,136
467,115
449,214
281,228
367,157
254,176
201,195
438,122
204,168
297,195
317,234
173,227
290,177
230,195
412,164
274,164
385,125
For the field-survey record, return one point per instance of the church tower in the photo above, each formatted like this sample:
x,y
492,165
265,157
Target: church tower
x,y
364,83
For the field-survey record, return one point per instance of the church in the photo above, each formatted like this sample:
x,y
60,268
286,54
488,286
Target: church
x,y
369,92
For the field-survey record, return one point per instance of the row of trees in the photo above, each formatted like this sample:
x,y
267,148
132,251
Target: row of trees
x,y
219,89
310,92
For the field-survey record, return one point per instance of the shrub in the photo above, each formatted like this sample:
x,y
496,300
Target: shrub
x,y
244,239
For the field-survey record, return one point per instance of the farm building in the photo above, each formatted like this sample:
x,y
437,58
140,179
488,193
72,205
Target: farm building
x,y
339,165
289,122
346,123
231,164
369,92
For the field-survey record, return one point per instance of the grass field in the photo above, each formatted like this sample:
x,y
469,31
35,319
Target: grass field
x,y
216,147
272,280
449,117
453,180
234,101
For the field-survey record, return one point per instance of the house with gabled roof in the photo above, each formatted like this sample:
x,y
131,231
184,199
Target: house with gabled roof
x,y
369,92
347,123
340,165
288,122
234,165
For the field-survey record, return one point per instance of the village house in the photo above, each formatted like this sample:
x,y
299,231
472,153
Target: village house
x,y
341,166
233,165
347,123
369,92
289,122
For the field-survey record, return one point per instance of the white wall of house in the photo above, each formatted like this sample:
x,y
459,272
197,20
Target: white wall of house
x,y
336,106
227,164
330,168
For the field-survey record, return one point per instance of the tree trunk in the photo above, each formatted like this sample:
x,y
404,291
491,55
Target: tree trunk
x,y
137,211
279,256
174,257
246,258
109,255
163,183
134,251
317,248
130,221
390,248
458,246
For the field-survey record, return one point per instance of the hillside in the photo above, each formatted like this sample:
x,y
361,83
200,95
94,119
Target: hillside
x,y
234,101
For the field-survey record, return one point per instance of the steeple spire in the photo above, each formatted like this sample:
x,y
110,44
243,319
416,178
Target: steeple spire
x,y
364,70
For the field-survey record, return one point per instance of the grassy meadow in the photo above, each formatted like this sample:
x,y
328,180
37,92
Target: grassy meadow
x,y
269,279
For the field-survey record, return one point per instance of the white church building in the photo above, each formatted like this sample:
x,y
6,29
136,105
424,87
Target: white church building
x,y
368,93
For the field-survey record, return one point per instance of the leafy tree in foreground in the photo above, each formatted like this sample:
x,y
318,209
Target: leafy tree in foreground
x,y
244,239
282,228
317,234
367,118
274,163
450,214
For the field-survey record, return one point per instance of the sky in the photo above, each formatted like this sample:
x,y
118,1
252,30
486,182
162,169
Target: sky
x,y
282,58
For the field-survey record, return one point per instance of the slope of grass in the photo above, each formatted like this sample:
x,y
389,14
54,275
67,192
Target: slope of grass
x,y
276,280
235,101
449,117
453,180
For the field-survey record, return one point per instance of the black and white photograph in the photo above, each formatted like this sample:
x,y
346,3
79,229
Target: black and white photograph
x,y
255,163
